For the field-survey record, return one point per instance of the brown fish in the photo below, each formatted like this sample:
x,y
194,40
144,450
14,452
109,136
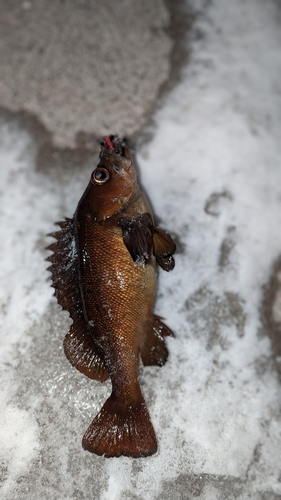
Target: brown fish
x,y
104,274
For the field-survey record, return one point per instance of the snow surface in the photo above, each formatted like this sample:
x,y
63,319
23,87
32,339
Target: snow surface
x,y
213,174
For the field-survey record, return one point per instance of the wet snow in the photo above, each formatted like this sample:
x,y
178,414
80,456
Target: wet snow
x,y
213,174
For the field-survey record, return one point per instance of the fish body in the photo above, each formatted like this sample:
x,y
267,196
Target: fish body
x,y
104,271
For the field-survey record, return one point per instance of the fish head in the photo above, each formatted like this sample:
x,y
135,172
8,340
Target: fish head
x,y
113,185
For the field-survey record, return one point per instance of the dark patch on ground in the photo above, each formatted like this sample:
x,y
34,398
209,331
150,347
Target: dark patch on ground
x,y
51,160
179,244
28,122
212,205
129,496
182,17
50,157
92,66
191,487
264,364
271,311
226,247
209,313
4,473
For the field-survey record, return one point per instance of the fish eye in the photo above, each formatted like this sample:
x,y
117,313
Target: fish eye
x,y
100,176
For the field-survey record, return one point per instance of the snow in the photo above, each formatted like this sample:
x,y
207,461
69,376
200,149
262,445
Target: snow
x,y
212,171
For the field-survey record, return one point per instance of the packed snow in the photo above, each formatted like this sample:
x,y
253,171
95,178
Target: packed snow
x,y
213,174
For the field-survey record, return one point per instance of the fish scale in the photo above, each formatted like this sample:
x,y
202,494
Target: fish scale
x,y
118,285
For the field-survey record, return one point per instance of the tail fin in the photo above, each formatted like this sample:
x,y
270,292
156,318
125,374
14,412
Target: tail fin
x,y
121,429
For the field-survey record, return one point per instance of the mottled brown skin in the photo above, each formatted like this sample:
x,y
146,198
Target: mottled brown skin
x,y
113,281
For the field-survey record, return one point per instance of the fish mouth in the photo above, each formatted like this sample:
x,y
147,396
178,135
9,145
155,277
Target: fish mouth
x,y
113,144
115,149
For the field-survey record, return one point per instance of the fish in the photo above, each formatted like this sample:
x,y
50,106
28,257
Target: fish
x,y
104,271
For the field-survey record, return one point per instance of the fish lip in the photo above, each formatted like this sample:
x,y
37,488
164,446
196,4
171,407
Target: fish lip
x,y
112,157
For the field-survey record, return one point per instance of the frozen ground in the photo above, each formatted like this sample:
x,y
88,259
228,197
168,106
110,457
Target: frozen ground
x,y
81,66
213,173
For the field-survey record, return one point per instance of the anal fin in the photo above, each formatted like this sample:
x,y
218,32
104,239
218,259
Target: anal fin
x,y
82,353
154,350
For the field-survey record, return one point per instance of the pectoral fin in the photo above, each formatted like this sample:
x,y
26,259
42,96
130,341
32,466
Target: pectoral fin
x,y
137,237
163,249
141,238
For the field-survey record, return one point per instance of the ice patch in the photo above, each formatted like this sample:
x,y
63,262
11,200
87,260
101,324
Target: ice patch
x,y
19,444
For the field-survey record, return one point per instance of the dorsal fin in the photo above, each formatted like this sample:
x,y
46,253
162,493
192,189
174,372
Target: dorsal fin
x,y
64,268
79,345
